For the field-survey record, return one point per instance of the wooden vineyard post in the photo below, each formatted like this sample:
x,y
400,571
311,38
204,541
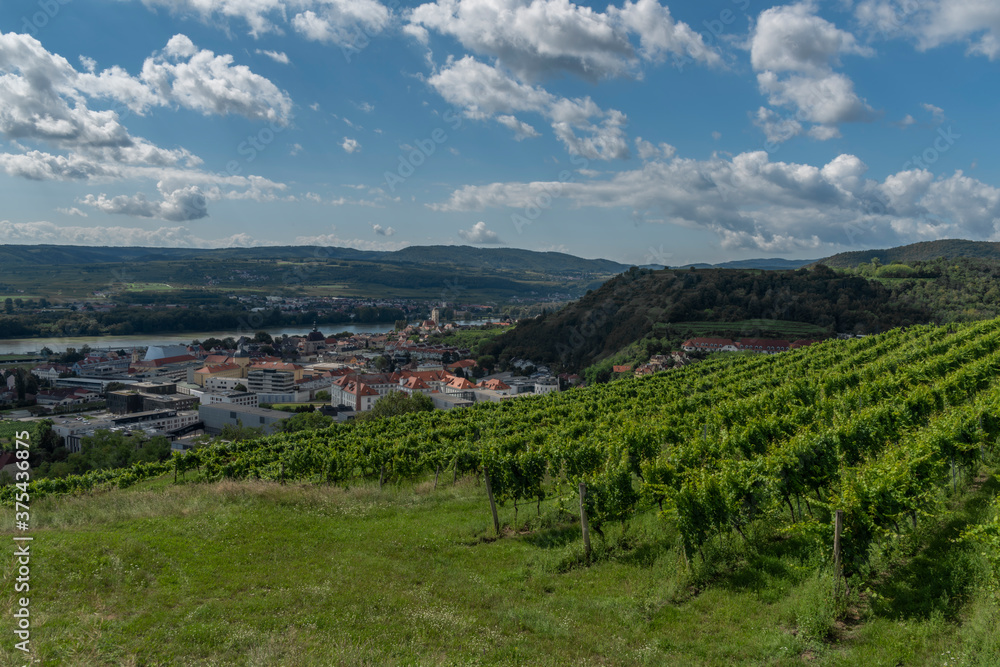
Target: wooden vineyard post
x,y
493,504
584,526
838,526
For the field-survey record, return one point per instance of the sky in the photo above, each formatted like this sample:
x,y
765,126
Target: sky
x,y
637,131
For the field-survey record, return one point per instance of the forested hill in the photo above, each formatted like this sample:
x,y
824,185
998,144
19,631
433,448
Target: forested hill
x,y
463,256
640,302
918,252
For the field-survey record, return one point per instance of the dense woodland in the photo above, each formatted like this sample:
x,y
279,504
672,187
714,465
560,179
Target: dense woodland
x,y
125,320
644,305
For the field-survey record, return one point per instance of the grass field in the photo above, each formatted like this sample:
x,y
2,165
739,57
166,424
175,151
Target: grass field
x,y
253,573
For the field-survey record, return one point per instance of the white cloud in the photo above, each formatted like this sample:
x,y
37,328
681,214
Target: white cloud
x,y
794,52
334,240
30,233
335,21
383,231
180,205
791,38
933,23
647,150
295,149
544,38
479,234
350,145
71,211
776,128
521,129
484,91
937,113
212,84
752,202
277,56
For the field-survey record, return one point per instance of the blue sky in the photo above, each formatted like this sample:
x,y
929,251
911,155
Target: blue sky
x,y
637,131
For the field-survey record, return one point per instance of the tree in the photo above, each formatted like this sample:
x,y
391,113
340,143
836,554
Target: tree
x,y
306,421
47,352
263,337
401,324
322,395
383,363
487,362
398,403
240,387
8,305
240,432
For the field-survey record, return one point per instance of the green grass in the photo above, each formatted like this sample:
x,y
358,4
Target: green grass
x,y
254,573
150,287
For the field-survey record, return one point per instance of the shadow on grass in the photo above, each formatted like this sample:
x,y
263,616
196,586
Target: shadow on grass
x,y
941,575
551,538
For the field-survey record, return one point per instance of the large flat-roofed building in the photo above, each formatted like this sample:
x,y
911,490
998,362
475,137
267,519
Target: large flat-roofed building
x,y
146,396
217,416
242,398
270,381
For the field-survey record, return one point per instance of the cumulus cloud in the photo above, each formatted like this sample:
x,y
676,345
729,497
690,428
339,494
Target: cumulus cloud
x,y
277,56
44,99
30,233
479,234
350,145
648,150
212,84
335,21
179,205
933,23
794,52
543,38
71,211
521,129
335,240
383,231
937,113
485,91
751,202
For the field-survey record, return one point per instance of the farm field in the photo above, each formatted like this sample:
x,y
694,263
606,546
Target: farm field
x,y
711,494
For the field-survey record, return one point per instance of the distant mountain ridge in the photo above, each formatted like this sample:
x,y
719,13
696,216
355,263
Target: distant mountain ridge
x,y
917,252
772,264
466,256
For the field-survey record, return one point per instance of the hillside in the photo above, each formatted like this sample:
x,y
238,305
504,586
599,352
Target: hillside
x,y
710,492
917,252
447,273
642,303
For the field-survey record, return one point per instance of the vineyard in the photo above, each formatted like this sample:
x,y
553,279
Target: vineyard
x,y
879,428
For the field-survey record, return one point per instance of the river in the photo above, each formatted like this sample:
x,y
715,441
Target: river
x,y
29,345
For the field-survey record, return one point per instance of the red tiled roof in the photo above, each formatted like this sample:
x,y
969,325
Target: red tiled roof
x,y
763,343
219,368
707,342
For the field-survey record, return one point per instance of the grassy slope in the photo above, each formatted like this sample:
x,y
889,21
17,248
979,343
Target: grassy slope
x,y
257,573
